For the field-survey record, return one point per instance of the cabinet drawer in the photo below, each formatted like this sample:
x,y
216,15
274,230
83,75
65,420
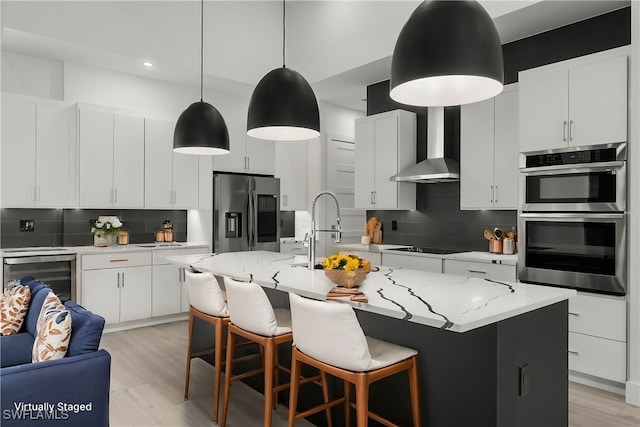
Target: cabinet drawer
x,y
116,260
480,269
296,248
423,263
160,255
598,316
598,357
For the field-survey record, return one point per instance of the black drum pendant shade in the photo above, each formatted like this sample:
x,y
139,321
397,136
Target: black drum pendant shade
x,y
201,130
447,53
283,107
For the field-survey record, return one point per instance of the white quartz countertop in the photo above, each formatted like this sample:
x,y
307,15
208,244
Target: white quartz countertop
x,y
455,303
476,256
81,250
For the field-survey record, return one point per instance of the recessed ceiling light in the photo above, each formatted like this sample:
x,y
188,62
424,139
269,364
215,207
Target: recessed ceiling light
x,y
147,64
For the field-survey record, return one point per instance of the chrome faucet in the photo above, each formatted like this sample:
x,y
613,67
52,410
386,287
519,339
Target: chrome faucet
x,y
311,241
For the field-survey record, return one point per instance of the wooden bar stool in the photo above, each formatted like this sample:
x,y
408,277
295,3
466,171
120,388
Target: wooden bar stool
x,y
328,336
207,302
253,318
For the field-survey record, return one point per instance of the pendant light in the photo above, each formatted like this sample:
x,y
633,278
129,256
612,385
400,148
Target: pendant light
x,y
283,106
201,129
447,53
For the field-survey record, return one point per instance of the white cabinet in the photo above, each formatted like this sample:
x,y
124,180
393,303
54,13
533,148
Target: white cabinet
x,y
597,336
171,179
480,270
578,102
294,248
111,160
246,154
117,286
489,152
423,263
169,292
385,144
291,168
38,154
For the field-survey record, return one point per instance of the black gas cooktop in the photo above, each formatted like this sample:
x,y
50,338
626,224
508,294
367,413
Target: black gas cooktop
x,y
427,250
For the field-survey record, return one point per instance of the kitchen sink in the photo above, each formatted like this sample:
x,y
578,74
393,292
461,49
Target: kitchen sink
x,y
158,245
17,251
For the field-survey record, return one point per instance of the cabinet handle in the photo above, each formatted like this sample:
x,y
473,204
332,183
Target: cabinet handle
x,y
495,194
248,162
570,130
375,197
371,197
576,353
574,314
564,130
118,279
119,260
477,271
491,194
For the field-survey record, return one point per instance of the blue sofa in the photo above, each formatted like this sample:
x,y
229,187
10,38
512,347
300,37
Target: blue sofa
x,y
72,391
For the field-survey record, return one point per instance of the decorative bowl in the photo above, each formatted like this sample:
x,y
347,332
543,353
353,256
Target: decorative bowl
x,y
341,278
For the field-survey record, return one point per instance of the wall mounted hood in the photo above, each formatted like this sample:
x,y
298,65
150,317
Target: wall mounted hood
x,y
435,168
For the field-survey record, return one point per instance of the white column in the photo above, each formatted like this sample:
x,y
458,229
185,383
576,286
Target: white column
x,y
633,343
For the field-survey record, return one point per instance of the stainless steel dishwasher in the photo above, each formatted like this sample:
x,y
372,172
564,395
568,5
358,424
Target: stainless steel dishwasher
x,y
54,266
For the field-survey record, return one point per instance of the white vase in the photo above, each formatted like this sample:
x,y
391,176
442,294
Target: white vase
x,y
100,239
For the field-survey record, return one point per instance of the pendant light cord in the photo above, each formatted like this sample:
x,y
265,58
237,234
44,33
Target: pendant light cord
x,y
201,48
284,32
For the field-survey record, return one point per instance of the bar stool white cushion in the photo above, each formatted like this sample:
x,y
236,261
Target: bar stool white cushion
x,y
251,310
205,294
330,332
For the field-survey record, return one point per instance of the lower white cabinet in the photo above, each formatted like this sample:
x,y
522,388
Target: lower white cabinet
x,y
375,258
294,248
597,336
169,291
481,270
117,286
423,263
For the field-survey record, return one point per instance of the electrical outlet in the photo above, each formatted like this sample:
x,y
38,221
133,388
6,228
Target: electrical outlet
x,y
394,225
525,379
27,225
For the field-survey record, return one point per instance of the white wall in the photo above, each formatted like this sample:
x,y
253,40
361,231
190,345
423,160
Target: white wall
x,y
31,76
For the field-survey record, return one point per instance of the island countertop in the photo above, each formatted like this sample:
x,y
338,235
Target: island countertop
x,y
454,303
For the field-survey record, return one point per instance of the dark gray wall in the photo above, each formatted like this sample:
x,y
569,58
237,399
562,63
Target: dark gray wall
x,y
72,227
438,220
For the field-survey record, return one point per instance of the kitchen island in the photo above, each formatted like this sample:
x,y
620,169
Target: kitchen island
x,y
491,353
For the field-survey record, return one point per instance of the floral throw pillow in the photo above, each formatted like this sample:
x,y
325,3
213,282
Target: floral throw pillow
x,y
53,337
51,303
13,308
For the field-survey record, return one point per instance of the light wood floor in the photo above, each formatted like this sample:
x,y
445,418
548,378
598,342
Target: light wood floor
x,y
147,385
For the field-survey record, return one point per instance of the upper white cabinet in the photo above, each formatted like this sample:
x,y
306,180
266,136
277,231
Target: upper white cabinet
x,y
171,179
246,154
111,159
38,154
489,152
577,102
291,168
385,144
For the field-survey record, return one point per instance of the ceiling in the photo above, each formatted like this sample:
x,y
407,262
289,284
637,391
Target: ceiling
x,y
340,46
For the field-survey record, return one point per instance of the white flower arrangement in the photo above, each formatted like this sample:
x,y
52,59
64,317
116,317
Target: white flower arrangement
x,y
106,225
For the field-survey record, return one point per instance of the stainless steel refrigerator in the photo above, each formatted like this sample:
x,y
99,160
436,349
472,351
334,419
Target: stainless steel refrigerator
x,y
246,213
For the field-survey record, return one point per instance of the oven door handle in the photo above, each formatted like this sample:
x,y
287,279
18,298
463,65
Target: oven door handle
x,y
589,167
38,259
577,216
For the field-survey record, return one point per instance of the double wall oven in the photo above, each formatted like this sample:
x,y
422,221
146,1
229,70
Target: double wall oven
x,y
573,221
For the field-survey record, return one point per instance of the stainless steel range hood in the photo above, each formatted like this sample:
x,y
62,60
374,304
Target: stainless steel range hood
x,y
435,168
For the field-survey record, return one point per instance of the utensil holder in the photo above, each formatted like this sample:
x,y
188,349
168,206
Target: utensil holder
x,y
495,246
